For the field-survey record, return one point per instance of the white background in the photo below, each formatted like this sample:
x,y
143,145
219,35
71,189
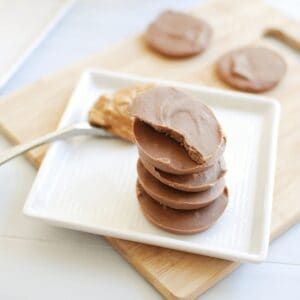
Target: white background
x,y
38,261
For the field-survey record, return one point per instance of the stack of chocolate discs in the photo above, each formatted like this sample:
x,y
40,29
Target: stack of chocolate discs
x,y
181,169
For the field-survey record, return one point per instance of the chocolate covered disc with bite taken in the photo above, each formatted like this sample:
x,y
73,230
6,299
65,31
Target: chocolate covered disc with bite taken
x,y
177,34
196,182
252,69
185,120
162,151
181,221
170,197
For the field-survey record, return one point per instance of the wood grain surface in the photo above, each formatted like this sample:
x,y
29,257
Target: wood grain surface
x,y
37,109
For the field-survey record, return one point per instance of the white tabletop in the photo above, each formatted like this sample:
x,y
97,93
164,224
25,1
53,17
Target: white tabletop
x,y
20,33
38,261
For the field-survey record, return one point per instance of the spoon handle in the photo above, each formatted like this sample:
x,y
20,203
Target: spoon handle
x,y
67,132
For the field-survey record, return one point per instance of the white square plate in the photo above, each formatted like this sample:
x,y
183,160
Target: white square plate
x,y
88,183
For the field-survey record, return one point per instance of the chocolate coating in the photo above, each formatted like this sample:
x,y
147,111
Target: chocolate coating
x,y
177,34
181,221
162,151
251,69
196,182
182,117
170,197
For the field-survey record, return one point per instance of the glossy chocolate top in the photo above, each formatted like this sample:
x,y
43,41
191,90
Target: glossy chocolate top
x,y
177,34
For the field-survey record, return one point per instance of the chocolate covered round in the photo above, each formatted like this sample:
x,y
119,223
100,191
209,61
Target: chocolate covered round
x,y
162,151
170,197
197,182
183,118
251,69
181,221
177,34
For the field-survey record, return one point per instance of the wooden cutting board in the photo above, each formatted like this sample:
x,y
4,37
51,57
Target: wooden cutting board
x,y
37,109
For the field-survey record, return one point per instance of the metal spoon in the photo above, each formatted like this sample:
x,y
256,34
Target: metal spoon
x,y
70,131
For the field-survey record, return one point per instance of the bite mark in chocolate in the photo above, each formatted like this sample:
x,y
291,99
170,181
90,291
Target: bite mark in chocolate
x,y
163,151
